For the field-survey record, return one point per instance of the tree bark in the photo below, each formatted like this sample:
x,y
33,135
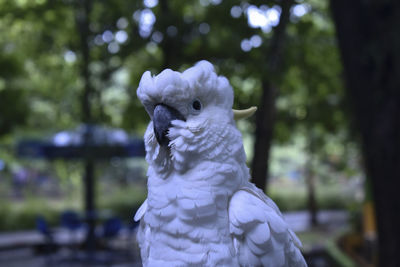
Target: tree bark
x,y
170,45
368,35
265,115
310,181
82,19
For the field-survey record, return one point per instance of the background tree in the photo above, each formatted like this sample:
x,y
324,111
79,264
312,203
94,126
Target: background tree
x,y
12,96
369,42
278,55
123,39
311,100
265,119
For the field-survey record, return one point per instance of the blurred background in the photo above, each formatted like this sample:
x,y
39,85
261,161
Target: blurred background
x,y
322,144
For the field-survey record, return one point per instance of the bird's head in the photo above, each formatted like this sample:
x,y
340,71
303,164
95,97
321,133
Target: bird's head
x,y
191,117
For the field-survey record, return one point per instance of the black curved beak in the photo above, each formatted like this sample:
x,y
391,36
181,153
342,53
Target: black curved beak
x,y
162,117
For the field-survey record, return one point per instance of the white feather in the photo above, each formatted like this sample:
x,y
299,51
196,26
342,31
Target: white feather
x,y
265,238
140,212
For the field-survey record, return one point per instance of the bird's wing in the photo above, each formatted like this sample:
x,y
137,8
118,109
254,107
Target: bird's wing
x,y
141,211
143,232
261,236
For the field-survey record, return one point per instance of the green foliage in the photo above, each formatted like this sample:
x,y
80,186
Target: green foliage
x,y
290,197
339,258
42,78
17,216
14,114
124,202
22,214
329,241
12,97
310,94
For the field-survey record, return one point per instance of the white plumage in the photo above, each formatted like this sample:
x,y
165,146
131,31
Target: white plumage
x,y
201,209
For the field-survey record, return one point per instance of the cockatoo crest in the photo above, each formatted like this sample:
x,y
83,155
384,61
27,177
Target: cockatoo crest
x,y
180,89
205,102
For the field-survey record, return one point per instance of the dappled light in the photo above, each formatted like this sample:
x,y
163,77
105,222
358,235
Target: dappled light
x,y
146,19
150,3
70,56
300,10
263,17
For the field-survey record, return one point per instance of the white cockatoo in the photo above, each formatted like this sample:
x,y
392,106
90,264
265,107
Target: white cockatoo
x,y
201,209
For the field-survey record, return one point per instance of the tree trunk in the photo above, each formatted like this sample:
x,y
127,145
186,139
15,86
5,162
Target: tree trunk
x,y
82,19
170,44
368,35
265,115
311,199
310,182
263,136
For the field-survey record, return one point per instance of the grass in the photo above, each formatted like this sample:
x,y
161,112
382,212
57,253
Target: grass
x,y
124,202
327,240
21,214
293,196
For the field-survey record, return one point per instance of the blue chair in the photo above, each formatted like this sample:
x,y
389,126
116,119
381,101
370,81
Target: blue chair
x,y
111,228
43,227
71,220
49,246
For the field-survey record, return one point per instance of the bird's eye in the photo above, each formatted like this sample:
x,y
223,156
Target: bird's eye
x,y
196,105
